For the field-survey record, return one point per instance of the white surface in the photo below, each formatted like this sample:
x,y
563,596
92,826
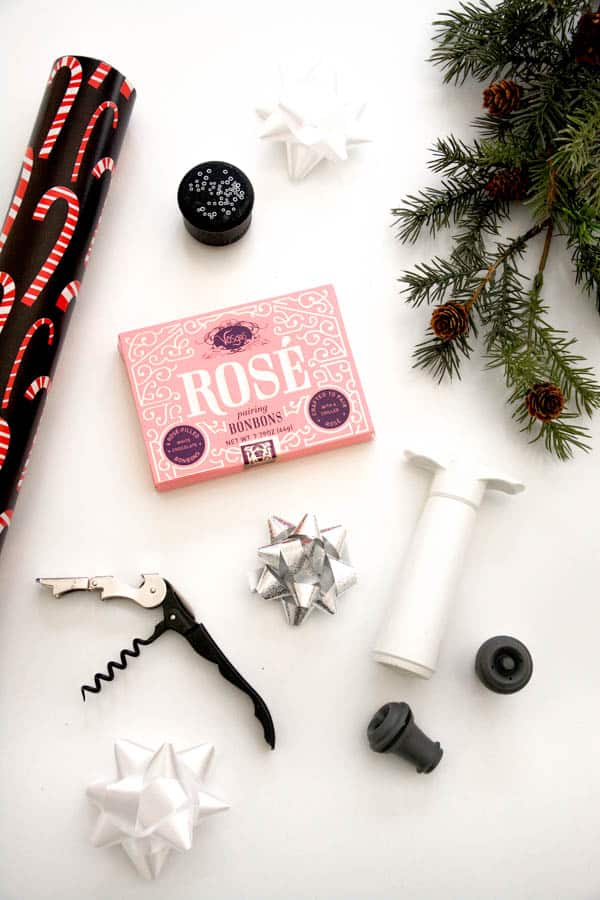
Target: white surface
x,y
512,811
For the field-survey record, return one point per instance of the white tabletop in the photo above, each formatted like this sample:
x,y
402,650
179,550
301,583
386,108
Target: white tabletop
x,y
512,811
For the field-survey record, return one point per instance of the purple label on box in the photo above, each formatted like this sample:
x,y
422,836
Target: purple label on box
x,y
329,408
184,445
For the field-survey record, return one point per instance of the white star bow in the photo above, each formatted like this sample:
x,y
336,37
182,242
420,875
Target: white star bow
x,y
155,803
314,121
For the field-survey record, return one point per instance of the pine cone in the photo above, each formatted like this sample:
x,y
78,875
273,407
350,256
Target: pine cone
x,y
502,97
545,401
508,184
586,42
450,320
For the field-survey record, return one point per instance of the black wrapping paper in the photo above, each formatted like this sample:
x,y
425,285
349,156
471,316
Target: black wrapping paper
x,y
46,241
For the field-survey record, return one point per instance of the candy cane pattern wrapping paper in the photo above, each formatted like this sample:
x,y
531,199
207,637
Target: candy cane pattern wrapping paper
x,y
62,241
54,212
5,519
8,297
22,185
67,101
107,105
38,384
99,75
4,440
49,324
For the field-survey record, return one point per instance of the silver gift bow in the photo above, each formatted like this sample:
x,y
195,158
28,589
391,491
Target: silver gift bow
x,y
303,567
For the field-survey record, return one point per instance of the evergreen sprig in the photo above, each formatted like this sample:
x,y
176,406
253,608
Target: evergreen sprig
x,y
538,143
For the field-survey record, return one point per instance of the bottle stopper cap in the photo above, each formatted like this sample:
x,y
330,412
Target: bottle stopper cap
x,y
216,199
393,730
503,664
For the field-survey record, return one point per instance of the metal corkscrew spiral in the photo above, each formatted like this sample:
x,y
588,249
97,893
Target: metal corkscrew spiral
x,y
99,677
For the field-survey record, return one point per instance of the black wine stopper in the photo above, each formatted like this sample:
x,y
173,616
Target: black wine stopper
x,y
216,200
393,730
503,664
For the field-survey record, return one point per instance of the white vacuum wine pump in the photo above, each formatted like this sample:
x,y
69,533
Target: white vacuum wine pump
x,y
412,633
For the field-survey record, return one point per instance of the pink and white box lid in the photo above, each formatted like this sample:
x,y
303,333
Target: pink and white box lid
x,y
255,383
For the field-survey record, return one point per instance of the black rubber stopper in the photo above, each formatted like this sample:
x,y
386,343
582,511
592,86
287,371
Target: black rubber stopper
x,y
393,730
503,664
216,200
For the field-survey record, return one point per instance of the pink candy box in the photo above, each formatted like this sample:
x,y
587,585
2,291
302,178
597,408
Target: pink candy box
x,y
255,383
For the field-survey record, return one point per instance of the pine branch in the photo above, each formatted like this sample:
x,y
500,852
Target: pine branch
x,y
577,155
484,41
563,367
436,208
452,156
494,129
587,265
430,282
514,248
549,191
582,227
508,153
560,437
539,141
482,220
499,310
578,143
531,351
548,95
441,358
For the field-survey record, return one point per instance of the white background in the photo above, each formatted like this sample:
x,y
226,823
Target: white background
x,y
513,810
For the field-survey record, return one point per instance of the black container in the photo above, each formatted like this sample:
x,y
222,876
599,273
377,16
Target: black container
x,y
216,201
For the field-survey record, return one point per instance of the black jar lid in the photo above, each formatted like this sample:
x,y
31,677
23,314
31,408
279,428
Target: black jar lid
x,y
216,200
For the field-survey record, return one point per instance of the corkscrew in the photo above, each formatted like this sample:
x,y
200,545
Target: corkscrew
x,y
155,591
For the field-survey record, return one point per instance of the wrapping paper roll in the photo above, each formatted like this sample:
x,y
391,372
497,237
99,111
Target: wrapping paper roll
x,y
46,240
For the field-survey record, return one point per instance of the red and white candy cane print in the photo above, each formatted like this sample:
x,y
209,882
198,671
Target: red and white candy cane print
x,y
67,101
62,242
41,383
67,294
106,164
8,297
22,186
99,74
21,353
126,89
108,104
4,440
5,519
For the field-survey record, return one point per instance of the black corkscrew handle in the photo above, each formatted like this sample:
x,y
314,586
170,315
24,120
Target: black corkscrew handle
x,y
179,618
203,643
